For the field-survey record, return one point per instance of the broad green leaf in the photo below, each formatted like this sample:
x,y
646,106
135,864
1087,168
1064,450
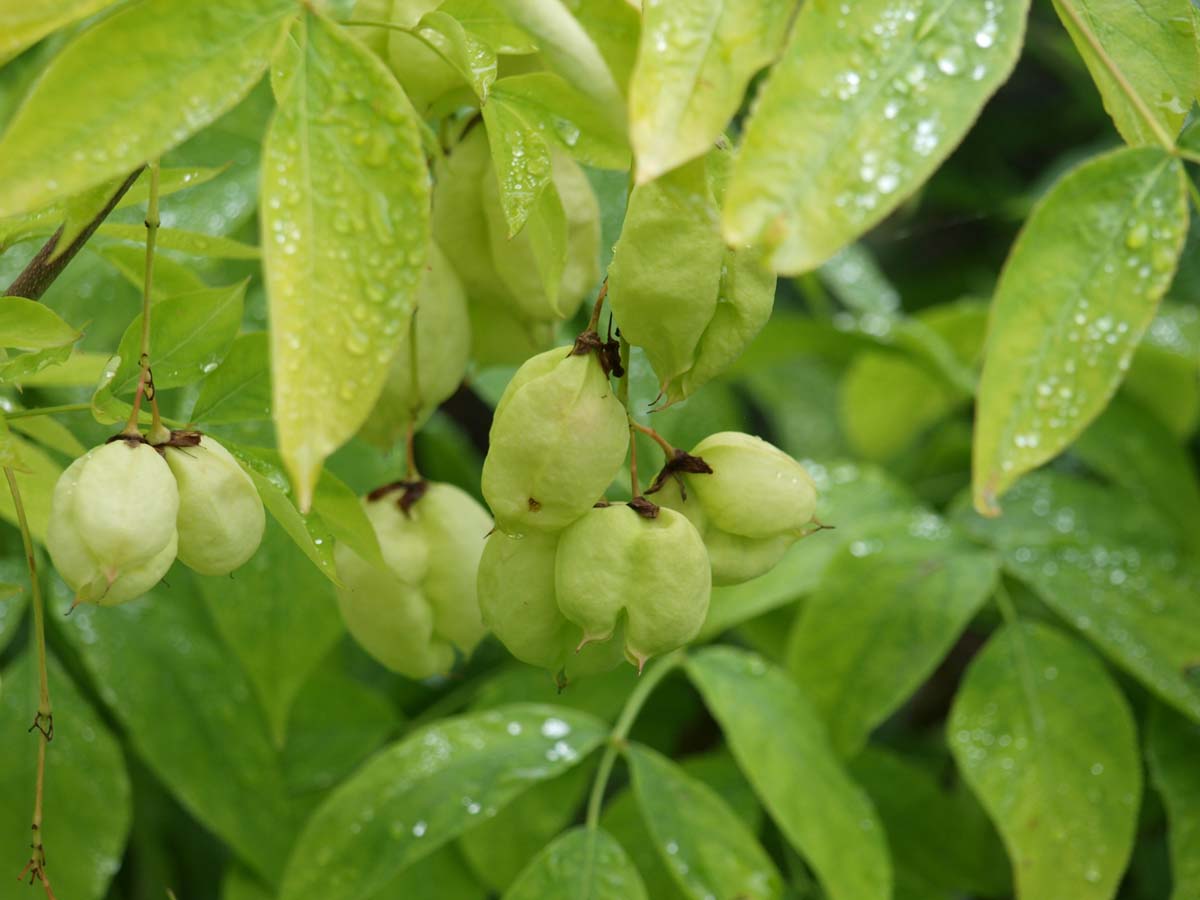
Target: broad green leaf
x,y
882,93
189,336
14,573
29,325
186,241
170,277
485,19
1172,749
1047,742
471,57
342,512
240,388
49,432
162,668
20,367
23,24
581,864
1132,448
1080,287
615,28
705,846
345,200
87,809
113,99
1110,567
889,607
1143,57
695,59
80,369
425,790
520,157
782,747
559,111
569,50
279,617
939,838
239,884
35,479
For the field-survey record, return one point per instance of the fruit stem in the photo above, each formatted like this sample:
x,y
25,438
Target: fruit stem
x,y
623,395
43,720
158,432
620,733
594,321
649,432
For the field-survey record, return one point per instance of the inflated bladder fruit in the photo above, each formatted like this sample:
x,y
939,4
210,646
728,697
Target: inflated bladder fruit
x,y
519,603
755,503
692,320
442,340
558,438
617,565
221,517
112,533
419,609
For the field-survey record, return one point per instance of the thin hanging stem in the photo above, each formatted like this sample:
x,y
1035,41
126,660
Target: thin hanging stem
x,y
594,321
43,720
623,395
158,432
667,448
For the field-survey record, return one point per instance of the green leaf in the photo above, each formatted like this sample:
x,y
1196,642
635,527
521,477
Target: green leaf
x,y
570,51
87,805
485,19
886,98
164,671
705,846
695,59
170,277
80,369
240,388
190,335
29,325
113,98
1172,748
471,57
781,746
1144,59
1112,569
1047,742
35,479
581,864
49,432
427,789
889,607
24,24
345,210
1080,287
186,241
14,573
558,111
279,618
521,159
20,367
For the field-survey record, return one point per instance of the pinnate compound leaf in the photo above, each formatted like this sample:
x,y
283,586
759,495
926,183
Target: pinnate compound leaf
x,y
888,609
1079,290
704,845
581,864
694,61
425,790
1172,748
87,802
116,97
1144,58
882,91
1047,742
345,220
782,748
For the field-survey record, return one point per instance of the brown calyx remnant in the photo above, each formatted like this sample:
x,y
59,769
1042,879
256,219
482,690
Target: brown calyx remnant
x,y
643,507
177,439
410,493
607,352
679,464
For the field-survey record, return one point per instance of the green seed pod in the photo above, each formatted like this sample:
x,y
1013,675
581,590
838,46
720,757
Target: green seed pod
x,y
692,320
755,504
112,532
221,516
519,605
558,438
443,344
655,571
413,614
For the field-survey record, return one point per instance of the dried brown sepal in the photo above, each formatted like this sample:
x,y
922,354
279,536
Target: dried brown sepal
x,y
678,465
133,439
643,507
410,492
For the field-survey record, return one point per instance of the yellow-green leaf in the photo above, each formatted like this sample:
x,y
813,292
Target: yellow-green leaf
x,y
345,219
1080,287
25,22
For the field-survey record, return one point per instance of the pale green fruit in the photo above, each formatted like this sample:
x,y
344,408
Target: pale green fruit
x,y
757,502
557,441
443,342
519,605
221,517
413,614
614,561
112,533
